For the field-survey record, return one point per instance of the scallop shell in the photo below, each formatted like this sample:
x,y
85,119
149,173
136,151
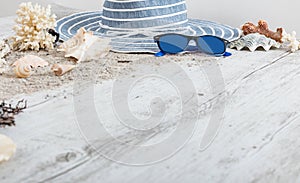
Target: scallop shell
x,y
7,148
31,60
254,41
84,46
60,69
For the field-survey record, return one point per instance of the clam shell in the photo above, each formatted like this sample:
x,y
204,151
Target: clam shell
x,y
60,69
7,148
253,42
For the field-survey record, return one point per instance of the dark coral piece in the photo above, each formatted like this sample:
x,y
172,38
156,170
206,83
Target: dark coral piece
x,y
7,113
263,28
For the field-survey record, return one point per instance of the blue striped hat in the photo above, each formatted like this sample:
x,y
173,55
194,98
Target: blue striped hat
x,y
131,24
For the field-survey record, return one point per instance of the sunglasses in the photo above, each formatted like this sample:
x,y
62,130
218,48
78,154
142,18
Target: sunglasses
x,y
175,43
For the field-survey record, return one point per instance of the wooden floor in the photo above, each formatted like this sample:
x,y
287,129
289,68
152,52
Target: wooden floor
x,y
247,129
258,138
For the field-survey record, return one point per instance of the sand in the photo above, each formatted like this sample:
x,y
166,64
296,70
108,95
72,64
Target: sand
x,y
110,67
45,79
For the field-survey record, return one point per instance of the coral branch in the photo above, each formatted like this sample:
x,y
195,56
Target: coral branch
x,y
31,29
263,28
7,113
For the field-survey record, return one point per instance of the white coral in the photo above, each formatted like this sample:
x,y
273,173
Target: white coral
x,y
4,51
290,41
2,66
31,29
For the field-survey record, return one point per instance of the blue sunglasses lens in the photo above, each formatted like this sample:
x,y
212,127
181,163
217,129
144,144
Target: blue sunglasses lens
x,y
172,43
211,45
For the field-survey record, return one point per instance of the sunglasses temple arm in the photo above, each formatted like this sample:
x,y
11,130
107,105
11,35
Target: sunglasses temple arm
x,y
227,54
160,54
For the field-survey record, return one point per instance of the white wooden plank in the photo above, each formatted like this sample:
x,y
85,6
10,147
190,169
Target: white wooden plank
x,y
258,119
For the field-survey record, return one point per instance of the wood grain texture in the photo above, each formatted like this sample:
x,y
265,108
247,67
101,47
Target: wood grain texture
x,y
257,142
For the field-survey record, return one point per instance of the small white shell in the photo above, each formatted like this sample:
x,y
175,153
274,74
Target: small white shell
x,y
254,41
60,69
7,148
84,46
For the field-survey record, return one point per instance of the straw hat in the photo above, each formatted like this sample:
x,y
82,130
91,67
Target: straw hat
x,y
131,24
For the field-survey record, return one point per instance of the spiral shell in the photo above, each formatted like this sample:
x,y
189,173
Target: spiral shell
x,y
22,70
254,41
7,148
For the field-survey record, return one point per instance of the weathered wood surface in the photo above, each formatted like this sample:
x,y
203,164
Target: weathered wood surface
x,y
258,140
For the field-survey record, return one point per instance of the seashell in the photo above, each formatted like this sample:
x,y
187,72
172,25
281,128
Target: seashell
x,y
74,42
31,60
60,69
7,148
85,46
22,70
24,65
254,41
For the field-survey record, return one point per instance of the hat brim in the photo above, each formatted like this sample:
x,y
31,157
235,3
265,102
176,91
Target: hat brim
x,y
137,42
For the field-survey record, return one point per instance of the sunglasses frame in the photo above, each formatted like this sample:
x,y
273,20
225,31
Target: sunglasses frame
x,y
189,38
